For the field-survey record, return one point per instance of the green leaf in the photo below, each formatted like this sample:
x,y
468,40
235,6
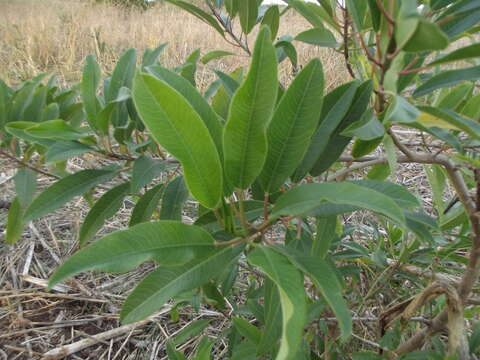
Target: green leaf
x,y
337,142
166,282
401,111
189,69
65,190
303,9
25,186
199,13
293,124
204,349
367,128
15,222
273,318
146,205
174,196
248,13
447,78
192,330
221,100
150,57
195,99
166,242
304,199
467,52
104,208
325,280
176,126
292,296
326,232
472,108
229,83
357,11
63,150
51,112
88,88
272,20
427,37
122,74
318,36
335,106
245,143
172,353
247,330
375,14
470,127
214,55
19,129
145,169
34,110
55,129
396,192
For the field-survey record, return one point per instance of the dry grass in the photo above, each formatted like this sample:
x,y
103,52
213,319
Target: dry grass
x,y
55,36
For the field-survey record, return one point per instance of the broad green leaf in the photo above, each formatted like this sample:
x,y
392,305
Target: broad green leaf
x,y
19,129
463,16
248,13
176,126
318,36
166,282
105,207
453,120
172,353
247,330
25,186
379,172
427,37
335,106
204,349
232,7
271,18
122,74
367,128
15,222
65,190
195,99
244,138
221,100
192,330
189,69
357,11
326,232
303,9
146,205
166,242
20,100
88,89
63,150
150,57
34,110
467,52
229,83
303,200
145,169
396,192
454,98
273,318
401,110
292,126
337,142
55,129
325,279
447,78
364,147
472,108
199,13
214,55
286,49
174,196
375,14
292,296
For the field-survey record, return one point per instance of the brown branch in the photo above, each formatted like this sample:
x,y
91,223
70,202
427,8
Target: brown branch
x,y
346,23
27,165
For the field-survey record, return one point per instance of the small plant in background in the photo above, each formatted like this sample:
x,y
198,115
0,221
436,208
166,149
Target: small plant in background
x,y
268,165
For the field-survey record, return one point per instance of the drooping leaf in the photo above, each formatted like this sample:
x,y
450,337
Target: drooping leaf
x,y
145,169
166,242
25,186
105,207
447,78
199,13
166,282
65,190
55,129
174,196
248,13
324,278
318,36
293,124
467,52
245,143
176,126
214,55
63,150
335,106
292,296
19,129
15,222
146,205
304,199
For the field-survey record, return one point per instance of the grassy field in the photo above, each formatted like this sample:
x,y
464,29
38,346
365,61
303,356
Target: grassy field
x,y
54,36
